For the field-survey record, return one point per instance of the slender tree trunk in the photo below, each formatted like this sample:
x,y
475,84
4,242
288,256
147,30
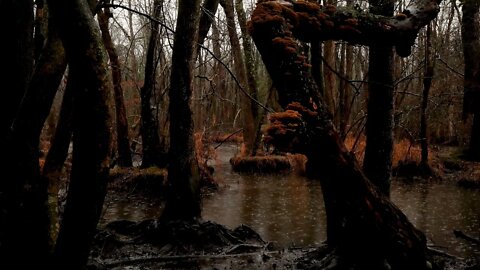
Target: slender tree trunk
x,y
123,143
241,73
471,53
88,70
183,199
427,83
316,54
377,163
153,154
54,162
330,79
208,11
248,51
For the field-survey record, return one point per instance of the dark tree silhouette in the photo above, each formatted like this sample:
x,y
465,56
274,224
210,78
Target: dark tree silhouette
x,y
471,52
377,163
88,71
183,200
153,152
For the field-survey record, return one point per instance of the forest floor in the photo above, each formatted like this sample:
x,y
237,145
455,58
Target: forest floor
x,y
150,244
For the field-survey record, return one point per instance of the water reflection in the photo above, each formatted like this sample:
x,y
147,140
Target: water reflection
x,y
288,209
283,208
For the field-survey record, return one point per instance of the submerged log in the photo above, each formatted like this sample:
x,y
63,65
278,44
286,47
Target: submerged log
x,y
365,228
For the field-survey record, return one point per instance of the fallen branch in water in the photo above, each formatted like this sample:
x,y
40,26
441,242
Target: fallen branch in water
x,y
443,253
151,259
461,234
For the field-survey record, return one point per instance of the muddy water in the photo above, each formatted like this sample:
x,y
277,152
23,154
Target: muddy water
x,y
288,209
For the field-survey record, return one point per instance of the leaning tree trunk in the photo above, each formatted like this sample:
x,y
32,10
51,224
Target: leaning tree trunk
x,y
88,70
364,226
55,159
123,143
208,11
471,53
377,163
183,199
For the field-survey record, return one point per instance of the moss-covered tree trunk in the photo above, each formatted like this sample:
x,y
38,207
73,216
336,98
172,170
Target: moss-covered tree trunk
x,y
88,70
471,53
55,159
377,163
123,142
363,225
183,199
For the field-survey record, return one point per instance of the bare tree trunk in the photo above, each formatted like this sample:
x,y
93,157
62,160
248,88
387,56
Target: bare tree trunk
x,y
329,75
377,163
471,52
208,11
153,154
427,83
88,70
183,199
248,50
123,143
362,224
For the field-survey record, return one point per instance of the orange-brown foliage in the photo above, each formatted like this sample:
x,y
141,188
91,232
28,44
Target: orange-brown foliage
x,y
403,151
330,9
260,164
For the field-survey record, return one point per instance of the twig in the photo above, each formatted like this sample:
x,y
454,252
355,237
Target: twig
x,y
228,137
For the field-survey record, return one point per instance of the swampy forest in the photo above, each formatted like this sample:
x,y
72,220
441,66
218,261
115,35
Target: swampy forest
x,y
234,134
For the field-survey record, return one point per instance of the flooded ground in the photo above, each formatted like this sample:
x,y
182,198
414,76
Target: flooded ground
x,y
288,209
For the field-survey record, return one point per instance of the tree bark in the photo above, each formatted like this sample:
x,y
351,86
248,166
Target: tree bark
x,y
123,142
377,163
54,162
183,199
471,53
23,215
153,154
88,70
427,83
362,224
250,72
208,11
31,116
